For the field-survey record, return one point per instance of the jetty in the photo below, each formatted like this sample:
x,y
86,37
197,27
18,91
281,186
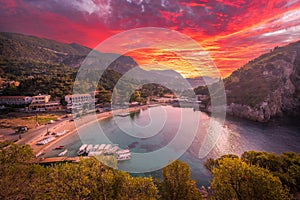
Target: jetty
x,y
56,160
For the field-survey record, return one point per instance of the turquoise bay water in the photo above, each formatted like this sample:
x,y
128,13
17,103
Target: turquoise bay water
x,y
134,131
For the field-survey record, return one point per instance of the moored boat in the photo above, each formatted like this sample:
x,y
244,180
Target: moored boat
x,y
124,151
101,147
112,150
63,153
82,150
108,146
122,157
59,147
96,147
89,148
124,154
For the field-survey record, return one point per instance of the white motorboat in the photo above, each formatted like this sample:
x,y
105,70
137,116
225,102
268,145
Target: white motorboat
x,y
63,153
122,157
82,150
89,148
124,154
101,147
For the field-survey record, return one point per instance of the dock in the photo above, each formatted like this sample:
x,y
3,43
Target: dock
x,y
56,160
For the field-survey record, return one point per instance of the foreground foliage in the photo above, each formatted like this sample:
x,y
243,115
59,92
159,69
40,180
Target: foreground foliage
x,y
262,174
177,182
256,175
235,179
87,179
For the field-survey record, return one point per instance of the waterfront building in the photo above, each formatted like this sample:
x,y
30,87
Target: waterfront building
x,y
77,101
15,100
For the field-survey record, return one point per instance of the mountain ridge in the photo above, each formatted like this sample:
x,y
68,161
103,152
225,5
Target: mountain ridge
x,y
15,46
266,87
18,47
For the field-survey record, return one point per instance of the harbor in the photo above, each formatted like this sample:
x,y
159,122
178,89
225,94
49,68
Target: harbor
x,y
104,149
85,151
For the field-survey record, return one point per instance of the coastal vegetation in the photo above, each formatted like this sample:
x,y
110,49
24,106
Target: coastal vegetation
x,y
13,119
255,175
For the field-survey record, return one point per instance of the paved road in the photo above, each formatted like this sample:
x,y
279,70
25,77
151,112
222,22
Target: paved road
x,y
40,131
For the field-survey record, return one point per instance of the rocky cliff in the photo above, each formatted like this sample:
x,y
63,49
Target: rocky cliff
x,y
266,87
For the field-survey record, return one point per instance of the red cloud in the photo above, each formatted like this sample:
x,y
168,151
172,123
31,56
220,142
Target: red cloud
x,y
232,31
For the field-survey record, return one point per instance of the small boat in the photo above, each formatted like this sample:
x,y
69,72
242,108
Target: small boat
x,y
122,157
59,147
96,147
112,150
63,153
107,147
82,150
89,148
124,151
124,154
101,147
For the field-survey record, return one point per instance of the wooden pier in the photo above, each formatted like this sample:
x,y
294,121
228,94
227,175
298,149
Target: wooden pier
x,y
56,160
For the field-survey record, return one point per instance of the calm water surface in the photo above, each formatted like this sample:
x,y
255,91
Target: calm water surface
x,y
236,137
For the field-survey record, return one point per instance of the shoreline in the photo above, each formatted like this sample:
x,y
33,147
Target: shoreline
x,y
72,127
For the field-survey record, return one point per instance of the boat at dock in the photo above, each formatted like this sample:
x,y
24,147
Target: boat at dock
x,y
101,147
112,150
59,147
107,147
89,148
104,149
124,157
63,153
82,150
124,151
96,147
124,154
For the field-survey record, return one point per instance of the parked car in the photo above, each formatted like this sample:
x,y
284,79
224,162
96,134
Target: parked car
x,y
21,129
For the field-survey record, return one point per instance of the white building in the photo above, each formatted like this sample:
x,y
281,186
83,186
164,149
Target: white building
x,y
49,106
45,98
15,100
42,103
78,100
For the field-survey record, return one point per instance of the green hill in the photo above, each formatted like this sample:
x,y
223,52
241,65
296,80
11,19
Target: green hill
x,y
266,87
47,66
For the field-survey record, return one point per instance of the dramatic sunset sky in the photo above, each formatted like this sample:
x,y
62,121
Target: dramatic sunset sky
x,y
232,31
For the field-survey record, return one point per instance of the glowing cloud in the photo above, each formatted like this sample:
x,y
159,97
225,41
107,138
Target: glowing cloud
x,y
233,32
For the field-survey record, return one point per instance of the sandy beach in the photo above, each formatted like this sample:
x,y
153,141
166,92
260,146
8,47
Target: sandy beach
x,y
72,128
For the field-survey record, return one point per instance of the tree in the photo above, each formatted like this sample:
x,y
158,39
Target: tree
x,y
104,96
136,96
177,183
235,179
14,172
63,102
88,179
286,166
